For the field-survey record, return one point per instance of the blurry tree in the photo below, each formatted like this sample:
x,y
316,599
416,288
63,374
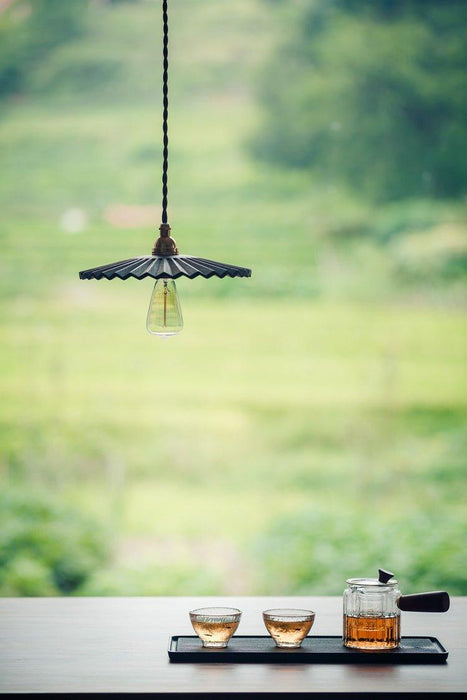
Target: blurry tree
x,y
29,30
45,549
325,548
371,93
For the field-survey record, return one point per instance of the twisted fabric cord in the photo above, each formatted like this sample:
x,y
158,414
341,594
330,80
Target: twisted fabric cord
x,y
165,112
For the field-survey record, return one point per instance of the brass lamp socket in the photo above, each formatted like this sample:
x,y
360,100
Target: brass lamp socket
x,y
165,244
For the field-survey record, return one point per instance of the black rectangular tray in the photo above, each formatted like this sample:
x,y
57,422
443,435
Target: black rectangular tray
x,y
318,650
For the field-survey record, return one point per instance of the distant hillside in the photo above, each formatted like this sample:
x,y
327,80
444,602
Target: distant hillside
x,y
112,50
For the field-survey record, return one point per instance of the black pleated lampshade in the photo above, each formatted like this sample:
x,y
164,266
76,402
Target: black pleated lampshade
x,y
164,267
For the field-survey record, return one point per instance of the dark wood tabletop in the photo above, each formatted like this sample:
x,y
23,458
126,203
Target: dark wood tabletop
x,y
119,645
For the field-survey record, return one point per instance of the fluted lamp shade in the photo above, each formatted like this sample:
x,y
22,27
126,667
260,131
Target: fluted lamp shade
x,y
163,267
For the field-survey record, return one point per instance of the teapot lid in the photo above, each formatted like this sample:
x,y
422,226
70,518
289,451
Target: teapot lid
x,y
385,578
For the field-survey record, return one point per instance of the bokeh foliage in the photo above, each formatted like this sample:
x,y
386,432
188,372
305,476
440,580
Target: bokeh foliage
x,y
314,414
46,548
316,550
29,33
372,94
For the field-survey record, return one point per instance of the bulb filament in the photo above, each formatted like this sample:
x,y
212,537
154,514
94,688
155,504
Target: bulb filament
x,y
165,303
164,314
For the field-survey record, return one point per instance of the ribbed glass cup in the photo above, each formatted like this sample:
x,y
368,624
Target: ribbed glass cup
x,y
215,626
288,626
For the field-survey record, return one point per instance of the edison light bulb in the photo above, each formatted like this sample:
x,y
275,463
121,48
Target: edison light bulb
x,y
164,314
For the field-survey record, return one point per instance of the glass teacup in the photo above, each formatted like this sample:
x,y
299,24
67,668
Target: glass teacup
x,y
215,626
288,626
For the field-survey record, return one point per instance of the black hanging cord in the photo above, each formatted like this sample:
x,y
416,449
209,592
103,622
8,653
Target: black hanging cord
x,y
165,112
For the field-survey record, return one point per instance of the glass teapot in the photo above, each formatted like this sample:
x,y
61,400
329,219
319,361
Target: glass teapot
x,y
372,611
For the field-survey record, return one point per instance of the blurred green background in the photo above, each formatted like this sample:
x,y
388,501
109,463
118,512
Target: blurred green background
x,y
309,423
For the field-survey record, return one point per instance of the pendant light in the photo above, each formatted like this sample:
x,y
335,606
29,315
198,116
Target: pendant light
x,y
165,264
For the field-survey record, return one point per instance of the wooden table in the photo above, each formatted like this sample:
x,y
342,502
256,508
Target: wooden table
x,y
119,645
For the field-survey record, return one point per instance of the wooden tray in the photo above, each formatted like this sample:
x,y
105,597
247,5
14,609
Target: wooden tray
x,y
317,650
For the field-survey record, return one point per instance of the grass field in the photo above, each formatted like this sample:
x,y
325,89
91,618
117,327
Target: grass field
x,y
307,425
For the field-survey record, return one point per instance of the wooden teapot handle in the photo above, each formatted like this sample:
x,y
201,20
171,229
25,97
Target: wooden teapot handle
x,y
433,601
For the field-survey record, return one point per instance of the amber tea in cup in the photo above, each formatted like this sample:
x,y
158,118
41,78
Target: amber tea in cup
x,y
215,626
287,626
